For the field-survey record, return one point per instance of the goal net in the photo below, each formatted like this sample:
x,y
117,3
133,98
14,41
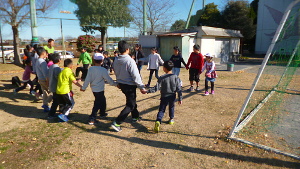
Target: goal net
x,y
270,116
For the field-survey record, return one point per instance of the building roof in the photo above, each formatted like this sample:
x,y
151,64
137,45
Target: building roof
x,y
212,31
179,34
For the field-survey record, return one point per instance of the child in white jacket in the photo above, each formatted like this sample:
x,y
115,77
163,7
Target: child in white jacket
x,y
153,64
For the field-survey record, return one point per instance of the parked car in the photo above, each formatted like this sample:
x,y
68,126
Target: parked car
x,y
68,55
8,52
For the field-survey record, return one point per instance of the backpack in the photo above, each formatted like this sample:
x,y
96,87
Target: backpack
x,y
16,81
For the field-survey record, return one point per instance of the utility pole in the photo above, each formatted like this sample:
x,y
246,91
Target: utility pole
x,y
35,39
2,50
203,4
62,39
190,13
144,17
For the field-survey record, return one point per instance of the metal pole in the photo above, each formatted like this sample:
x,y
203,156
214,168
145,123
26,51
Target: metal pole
x,y
62,39
35,39
190,13
203,4
2,50
144,17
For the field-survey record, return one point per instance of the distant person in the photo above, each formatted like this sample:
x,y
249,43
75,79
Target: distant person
x,y
29,52
50,59
50,46
86,60
177,59
154,61
96,77
42,74
54,71
26,79
64,90
138,56
210,75
169,84
100,49
106,62
128,79
195,65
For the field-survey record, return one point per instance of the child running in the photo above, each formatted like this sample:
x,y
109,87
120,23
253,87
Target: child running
x,y
26,78
153,64
106,62
168,84
96,77
64,90
210,75
86,60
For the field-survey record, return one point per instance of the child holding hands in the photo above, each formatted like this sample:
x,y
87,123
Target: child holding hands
x,y
210,75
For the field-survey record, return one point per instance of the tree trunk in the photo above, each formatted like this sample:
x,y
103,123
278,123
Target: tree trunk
x,y
103,36
17,58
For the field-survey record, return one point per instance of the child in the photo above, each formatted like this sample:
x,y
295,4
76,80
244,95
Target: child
x,y
153,64
50,46
169,85
50,60
54,71
196,61
64,90
26,78
210,74
106,61
96,77
86,61
177,59
42,74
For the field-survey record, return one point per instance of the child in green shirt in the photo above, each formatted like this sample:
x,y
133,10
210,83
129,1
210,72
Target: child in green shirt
x,y
86,60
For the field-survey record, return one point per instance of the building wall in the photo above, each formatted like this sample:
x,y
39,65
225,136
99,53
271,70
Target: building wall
x,y
207,45
235,45
166,45
148,41
270,13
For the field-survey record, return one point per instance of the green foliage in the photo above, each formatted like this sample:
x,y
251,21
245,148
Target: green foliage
x,y
211,16
86,41
195,18
178,25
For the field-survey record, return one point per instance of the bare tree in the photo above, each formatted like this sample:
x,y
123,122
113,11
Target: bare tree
x,y
16,12
159,14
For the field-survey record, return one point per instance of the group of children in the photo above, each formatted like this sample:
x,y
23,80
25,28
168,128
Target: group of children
x,y
56,83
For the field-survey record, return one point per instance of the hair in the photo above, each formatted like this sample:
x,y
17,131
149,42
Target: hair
x,y
28,47
40,50
100,46
98,61
154,49
116,52
50,40
27,62
84,47
123,46
168,65
197,47
96,51
36,46
67,62
105,53
55,58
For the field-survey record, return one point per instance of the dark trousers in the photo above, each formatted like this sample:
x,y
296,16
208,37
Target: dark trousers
x,y
151,74
54,105
24,86
164,101
65,102
211,83
99,104
139,66
78,70
131,106
194,74
37,86
84,70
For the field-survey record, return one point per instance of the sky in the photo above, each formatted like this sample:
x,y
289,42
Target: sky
x,y
50,28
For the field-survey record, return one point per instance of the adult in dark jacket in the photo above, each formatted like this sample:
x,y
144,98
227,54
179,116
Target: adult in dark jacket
x,y
177,59
138,56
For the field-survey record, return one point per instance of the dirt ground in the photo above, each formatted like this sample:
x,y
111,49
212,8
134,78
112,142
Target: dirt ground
x,y
196,140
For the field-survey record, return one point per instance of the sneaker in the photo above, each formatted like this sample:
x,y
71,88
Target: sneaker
x,y
116,126
91,122
171,121
206,93
46,108
197,89
63,117
15,92
135,120
212,92
32,93
103,116
190,89
147,85
156,126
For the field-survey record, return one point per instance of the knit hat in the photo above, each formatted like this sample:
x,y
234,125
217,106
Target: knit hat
x,y
98,56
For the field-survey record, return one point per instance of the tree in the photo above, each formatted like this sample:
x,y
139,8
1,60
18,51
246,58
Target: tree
x,y
210,16
195,18
254,10
98,15
159,14
236,15
15,14
178,25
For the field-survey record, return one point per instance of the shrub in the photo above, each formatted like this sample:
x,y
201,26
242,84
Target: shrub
x,y
87,41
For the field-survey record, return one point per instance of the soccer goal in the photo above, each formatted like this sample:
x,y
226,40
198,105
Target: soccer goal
x,y
270,116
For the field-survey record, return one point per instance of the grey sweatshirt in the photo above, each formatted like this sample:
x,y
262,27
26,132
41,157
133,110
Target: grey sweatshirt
x,y
33,61
96,76
168,84
54,70
127,72
41,69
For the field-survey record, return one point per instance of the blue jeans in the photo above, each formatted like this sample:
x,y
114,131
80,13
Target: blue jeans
x,y
176,71
140,66
164,101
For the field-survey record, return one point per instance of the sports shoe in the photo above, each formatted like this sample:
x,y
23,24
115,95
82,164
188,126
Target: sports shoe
x,y
206,93
135,120
103,116
197,89
212,92
171,121
190,89
63,117
46,108
116,126
147,85
156,126
91,122
32,93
